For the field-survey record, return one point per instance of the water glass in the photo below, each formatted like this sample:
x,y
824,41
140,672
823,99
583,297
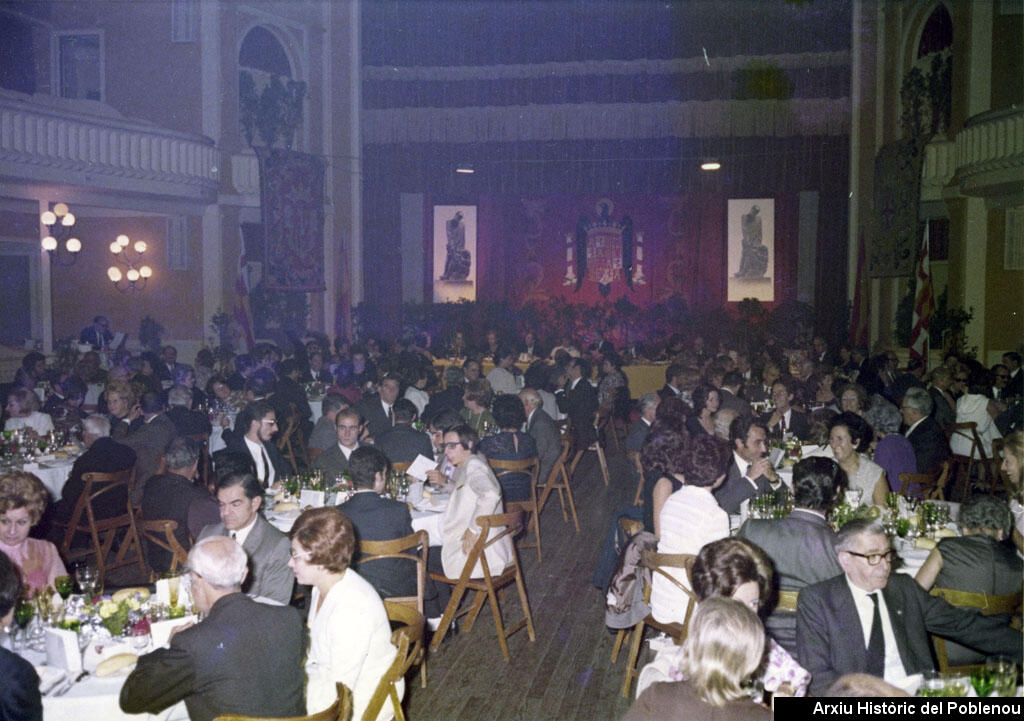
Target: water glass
x,y
956,685
1004,675
88,578
933,684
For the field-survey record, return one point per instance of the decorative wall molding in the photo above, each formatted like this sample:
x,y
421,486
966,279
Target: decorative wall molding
x,y
245,173
43,143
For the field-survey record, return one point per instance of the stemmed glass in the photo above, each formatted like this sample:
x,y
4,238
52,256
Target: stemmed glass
x,y
982,679
23,614
65,585
1004,675
88,579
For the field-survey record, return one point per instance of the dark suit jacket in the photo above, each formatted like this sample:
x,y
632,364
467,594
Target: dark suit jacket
x,y
830,642
737,489
168,495
149,441
332,462
729,400
448,399
403,443
290,393
801,545
637,435
943,413
269,551
244,658
666,392
281,467
372,412
188,422
580,403
545,435
799,424
931,447
19,689
381,519
96,340
104,456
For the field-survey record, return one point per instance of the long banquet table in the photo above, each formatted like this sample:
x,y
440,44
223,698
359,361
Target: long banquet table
x,y
643,377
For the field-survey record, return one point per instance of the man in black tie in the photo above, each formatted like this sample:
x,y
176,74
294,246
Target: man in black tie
x,y
868,620
375,409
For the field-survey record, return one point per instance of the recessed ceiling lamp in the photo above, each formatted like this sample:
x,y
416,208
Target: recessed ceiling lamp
x,y
710,164
465,169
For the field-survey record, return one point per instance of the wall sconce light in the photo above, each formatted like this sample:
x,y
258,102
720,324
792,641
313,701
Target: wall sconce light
x,y
135,274
60,241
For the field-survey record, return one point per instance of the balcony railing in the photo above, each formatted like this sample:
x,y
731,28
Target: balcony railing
x,y
990,151
47,140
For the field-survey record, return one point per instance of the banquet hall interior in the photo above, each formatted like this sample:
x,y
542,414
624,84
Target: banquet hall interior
x,y
660,179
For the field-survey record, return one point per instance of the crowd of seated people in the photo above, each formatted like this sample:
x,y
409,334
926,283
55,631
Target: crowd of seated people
x,y
701,440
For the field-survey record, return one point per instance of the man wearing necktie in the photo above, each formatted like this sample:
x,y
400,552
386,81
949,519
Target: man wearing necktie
x,y
254,432
870,621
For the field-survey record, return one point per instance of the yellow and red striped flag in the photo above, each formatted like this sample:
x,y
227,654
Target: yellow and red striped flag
x,y
924,306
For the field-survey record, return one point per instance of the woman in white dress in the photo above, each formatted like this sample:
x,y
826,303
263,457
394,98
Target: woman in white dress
x,y
849,436
23,411
349,632
476,493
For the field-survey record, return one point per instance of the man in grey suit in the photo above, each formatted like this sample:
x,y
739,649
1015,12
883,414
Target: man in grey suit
x,y
403,442
149,440
868,621
334,461
802,545
750,472
239,496
648,408
376,409
243,658
325,434
729,394
542,429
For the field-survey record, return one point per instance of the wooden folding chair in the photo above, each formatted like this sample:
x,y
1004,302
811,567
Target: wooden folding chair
x,y
400,467
408,639
558,480
340,710
638,497
529,466
160,533
931,487
398,549
657,563
104,532
987,605
292,445
485,588
204,459
787,601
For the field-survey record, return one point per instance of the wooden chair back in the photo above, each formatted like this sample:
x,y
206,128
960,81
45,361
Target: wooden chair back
x,y
787,601
400,467
291,443
932,487
530,466
558,480
340,710
987,605
398,548
204,459
160,533
634,457
408,639
103,532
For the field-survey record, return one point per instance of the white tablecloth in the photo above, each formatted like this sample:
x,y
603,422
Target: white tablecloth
x,y
53,474
317,406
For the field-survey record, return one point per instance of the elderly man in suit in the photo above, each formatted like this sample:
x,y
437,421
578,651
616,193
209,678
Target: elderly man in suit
x,y
802,545
403,442
169,495
149,440
187,421
750,473
334,461
377,409
931,447
542,429
244,658
239,496
578,399
648,408
868,621
254,431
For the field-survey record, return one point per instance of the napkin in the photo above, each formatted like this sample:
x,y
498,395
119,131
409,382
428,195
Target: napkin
x,y
62,650
49,677
161,630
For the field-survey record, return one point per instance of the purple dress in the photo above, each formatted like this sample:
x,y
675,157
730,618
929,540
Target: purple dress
x,y
895,455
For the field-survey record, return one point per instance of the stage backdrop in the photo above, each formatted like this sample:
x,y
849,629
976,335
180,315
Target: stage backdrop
x,y
590,249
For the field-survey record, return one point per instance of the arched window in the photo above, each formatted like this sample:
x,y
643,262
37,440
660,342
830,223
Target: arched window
x,y
270,96
263,52
937,34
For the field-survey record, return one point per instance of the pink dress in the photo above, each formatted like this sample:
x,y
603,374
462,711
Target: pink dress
x,y
38,560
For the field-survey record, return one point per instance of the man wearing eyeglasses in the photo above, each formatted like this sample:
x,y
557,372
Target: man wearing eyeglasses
x,y
254,432
869,621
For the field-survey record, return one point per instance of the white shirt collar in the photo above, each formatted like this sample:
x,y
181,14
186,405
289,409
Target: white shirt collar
x,y
894,671
911,428
243,533
347,451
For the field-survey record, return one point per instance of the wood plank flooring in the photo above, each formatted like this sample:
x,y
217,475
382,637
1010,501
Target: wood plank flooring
x,y
565,674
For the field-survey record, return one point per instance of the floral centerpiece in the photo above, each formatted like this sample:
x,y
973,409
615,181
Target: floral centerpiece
x,y
844,512
116,614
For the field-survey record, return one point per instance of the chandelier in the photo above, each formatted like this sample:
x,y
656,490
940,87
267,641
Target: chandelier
x,y
60,241
135,273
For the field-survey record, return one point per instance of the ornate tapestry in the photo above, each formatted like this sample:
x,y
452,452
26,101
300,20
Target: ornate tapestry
x,y
893,249
292,205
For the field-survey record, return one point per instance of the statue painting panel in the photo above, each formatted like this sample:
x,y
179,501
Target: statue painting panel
x,y
751,249
455,255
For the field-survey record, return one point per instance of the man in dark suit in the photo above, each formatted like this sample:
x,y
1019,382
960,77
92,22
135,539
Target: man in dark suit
x,y
943,403
578,399
673,381
750,471
844,626
448,399
19,682
334,461
169,495
542,429
149,440
187,421
168,366
931,447
376,409
289,394
98,334
648,408
729,394
102,455
239,496
403,442
785,419
1015,383
244,658
254,431
802,545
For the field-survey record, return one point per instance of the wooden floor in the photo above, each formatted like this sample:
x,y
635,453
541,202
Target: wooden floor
x,y
565,674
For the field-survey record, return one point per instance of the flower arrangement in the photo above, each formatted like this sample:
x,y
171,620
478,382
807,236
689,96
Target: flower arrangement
x,y
115,614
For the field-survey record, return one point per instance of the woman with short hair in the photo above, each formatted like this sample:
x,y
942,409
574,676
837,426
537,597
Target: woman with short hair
x,y
476,405
23,411
510,444
23,499
723,648
849,436
349,632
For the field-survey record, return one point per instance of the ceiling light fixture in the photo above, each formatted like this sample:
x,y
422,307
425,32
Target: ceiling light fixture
x,y
710,164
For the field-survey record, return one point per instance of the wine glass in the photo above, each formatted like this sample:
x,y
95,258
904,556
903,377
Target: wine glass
x,y
88,579
23,614
982,679
1004,675
65,585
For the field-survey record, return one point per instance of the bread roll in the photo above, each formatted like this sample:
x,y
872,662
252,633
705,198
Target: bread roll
x,y
115,664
